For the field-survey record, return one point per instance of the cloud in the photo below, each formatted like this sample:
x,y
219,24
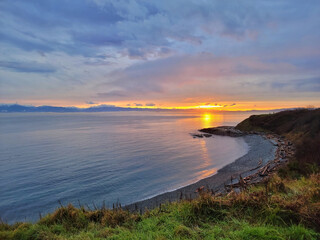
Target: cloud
x,y
150,104
301,85
27,67
203,71
90,102
233,104
104,105
138,29
111,94
138,104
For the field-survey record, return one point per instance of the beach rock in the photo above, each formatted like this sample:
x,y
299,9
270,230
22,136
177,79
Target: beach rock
x,y
274,142
197,135
206,135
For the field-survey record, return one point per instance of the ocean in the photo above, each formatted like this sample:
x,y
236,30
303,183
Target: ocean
x,y
96,158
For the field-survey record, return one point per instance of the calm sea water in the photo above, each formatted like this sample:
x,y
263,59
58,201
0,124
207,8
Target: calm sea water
x,y
96,157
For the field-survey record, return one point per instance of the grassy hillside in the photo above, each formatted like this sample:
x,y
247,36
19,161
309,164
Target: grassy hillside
x,y
301,126
277,209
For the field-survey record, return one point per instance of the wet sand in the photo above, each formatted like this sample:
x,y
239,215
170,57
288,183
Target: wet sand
x,y
260,148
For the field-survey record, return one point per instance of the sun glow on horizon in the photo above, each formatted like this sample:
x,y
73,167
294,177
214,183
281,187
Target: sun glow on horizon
x,y
209,106
180,107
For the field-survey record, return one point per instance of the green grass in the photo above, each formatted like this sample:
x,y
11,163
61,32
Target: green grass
x,y
278,209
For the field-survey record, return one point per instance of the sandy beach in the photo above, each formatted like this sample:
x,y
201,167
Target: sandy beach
x,y
260,149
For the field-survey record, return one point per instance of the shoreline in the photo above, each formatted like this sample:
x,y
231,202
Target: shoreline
x,y
263,150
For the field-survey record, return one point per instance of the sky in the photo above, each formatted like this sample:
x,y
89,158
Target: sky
x,y
224,55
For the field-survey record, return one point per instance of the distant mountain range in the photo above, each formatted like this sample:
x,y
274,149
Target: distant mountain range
x,y
100,108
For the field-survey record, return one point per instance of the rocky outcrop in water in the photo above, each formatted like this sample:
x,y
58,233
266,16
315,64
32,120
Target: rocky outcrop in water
x,y
223,131
200,135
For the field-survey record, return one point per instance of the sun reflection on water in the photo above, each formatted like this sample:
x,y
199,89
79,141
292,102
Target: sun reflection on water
x,y
207,161
211,120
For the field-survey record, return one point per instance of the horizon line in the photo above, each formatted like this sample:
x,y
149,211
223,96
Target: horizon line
x,y
132,108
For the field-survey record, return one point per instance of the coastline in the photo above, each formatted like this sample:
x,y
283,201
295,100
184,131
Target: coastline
x,y
262,151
